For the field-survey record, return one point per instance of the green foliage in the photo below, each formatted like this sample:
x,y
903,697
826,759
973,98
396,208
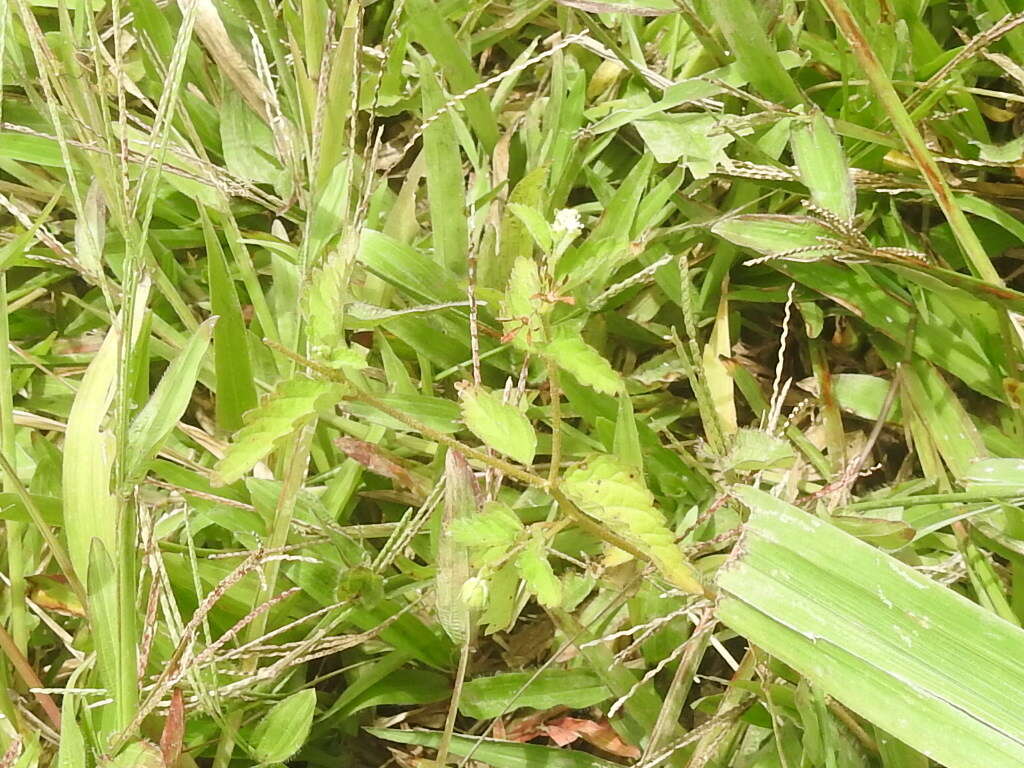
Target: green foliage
x,y
280,413
251,253
614,493
500,425
284,729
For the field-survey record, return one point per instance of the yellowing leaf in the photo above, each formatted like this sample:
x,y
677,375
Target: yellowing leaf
x,y
585,363
614,493
501,426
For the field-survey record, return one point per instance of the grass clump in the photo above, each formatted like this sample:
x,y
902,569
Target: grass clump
x,y
559,384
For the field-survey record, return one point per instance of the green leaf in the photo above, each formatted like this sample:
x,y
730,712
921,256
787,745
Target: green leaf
x,y
585,363
773,235
71,752
487,697
278,415
522,306
157,418
823,168
495,526
501,426
285,728
754,450
930,667
89,508
500,754
755,53
430,28
859,393
614,493
515,241
445,185
536,571
247,141
137,754
536,225
403,266
995,474
115,661
236,389
691,138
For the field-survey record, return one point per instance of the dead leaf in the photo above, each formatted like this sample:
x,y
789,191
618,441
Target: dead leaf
x,y
599,734
174,730
377,461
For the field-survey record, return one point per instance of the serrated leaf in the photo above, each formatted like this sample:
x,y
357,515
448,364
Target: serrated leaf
x,y
585,363
823,169
540,578
284,730
501,426
280,413
521,308
614,493
326,309
496,526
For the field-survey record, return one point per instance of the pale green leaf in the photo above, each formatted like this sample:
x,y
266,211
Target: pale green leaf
x,y
754,450
574,355
535,224
496,525
278,415
536,571
452,555
688,138
501,426
157,418
772,235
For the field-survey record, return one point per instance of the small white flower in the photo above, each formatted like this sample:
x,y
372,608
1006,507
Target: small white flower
x,y
567,221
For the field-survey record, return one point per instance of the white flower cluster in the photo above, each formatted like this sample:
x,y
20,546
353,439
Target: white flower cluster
x,y
567,221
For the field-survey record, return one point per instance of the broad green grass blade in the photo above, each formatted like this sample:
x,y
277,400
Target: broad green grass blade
x,y
89,507
933,669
